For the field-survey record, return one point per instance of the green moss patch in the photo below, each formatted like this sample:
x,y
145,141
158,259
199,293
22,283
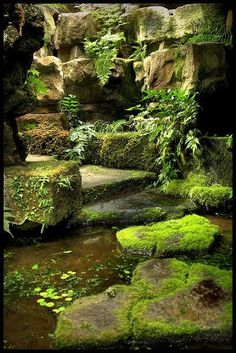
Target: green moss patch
x,y
122,150
43,192
212,197
191,234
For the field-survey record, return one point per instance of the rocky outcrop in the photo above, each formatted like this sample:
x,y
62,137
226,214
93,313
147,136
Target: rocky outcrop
x,y
23,35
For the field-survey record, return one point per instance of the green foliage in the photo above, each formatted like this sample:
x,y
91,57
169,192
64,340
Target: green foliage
x,y
108,19
80,136
229,141
168,117
103,51
7,218
210,30
34,83
140,52
64,182
111,127
71,107
29,126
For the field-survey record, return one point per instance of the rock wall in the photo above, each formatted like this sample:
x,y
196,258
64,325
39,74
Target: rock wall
x,y
171,60
23,35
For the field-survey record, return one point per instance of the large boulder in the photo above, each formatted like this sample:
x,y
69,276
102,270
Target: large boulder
x,y
43,192
72,28
51,74
156,23
197,67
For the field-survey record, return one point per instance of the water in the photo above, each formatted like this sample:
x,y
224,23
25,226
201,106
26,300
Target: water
x,y
90,252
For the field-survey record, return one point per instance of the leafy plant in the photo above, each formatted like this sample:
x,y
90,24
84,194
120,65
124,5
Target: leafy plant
x,y
7,217
81,135
107,127
34,83
168,117
64,182
103,51
140,52
71,107
108,18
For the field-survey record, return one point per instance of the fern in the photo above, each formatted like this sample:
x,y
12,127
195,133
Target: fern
x,y
34,83
7,220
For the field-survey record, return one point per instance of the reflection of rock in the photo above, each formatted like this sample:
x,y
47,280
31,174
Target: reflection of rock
x,y
168,304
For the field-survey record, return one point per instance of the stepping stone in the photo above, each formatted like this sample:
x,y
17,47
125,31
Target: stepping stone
x,y
189,235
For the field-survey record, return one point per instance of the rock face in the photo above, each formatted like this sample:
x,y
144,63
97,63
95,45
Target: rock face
x,y
23,35
51,74
168,304
43,192
167,63
191,234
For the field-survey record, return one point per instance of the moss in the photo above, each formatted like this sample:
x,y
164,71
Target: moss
x,y
212,197
191,234
89,216
182,187
122,150
34,191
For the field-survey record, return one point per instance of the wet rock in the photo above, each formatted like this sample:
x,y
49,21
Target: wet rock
x,y
194,306
189,235
96,321
43,192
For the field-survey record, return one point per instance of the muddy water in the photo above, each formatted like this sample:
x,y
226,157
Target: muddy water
x,y
90,252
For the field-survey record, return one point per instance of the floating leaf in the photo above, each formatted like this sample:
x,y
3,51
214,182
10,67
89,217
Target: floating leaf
x,y
64,276
35,267
68,299
50,304
37,289
50,290
65,295
43,294
71,272
41,300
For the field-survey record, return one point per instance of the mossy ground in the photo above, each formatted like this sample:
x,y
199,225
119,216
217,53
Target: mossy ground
x,y
191,234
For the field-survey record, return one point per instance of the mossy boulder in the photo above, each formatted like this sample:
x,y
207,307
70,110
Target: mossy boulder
x,y
43,192
215,197
122,150
189,235
185,305
168,304
96,321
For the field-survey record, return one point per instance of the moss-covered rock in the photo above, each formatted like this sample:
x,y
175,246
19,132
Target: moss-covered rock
x,y
89,216
43,192
191,304
122,150
96,321
215,197
191,234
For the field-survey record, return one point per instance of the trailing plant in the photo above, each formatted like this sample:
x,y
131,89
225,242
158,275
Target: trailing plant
x,y
80,136
70,106
168,117
34,83
103,51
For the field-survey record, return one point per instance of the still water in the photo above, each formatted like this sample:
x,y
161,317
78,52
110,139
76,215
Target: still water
x,y
93,254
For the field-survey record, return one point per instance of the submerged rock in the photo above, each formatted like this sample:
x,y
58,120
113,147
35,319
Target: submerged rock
x,y
191,234
168,303
43,192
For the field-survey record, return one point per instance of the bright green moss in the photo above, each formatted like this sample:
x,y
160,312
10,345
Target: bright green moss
x,y
182,187
188,235
214,196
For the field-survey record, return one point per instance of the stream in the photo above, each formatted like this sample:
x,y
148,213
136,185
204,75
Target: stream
x,y
94,262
